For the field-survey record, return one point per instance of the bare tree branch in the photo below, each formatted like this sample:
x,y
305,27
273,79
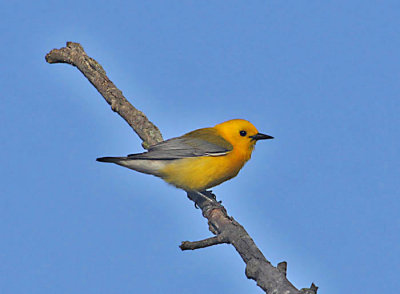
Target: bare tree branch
x,y
75,55
227,230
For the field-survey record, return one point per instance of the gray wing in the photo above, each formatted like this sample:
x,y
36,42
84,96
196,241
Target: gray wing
x,y
185,146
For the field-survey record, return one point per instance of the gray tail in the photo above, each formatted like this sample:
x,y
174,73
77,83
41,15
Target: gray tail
x,y
146,166
110,159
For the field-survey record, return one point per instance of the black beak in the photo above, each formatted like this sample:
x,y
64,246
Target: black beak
x,y
260,136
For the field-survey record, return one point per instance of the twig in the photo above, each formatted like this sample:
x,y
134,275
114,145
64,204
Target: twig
x,y
219,239
227,230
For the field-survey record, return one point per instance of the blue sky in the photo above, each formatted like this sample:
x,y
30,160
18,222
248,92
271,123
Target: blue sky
x,y
322,77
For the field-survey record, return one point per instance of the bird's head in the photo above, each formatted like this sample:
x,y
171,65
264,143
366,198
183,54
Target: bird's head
x,y
241,133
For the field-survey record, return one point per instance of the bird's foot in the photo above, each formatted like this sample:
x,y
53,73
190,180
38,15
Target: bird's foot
x,y
206,196
209,194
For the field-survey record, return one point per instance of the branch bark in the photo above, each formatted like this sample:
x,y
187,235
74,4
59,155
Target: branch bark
x,y
227,230
74,54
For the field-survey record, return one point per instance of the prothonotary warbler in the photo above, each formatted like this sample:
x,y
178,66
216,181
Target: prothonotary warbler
x,y
198,160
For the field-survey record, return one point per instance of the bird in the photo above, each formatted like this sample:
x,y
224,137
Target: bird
x,y
200,159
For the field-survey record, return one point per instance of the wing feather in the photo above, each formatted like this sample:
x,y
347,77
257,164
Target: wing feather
x,y
202,142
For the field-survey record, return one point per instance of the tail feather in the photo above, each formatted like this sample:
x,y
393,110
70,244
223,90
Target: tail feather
x,y
146,166
110,159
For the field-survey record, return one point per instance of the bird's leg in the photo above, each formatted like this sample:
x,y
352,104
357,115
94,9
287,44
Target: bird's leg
x,y
205,196
209,194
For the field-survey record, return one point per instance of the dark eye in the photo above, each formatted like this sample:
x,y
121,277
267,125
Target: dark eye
x,y
243,133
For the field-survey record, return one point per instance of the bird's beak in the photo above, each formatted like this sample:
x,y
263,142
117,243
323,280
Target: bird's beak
x,y
260,136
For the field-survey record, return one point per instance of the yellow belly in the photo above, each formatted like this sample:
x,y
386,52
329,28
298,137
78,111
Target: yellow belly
x,y
201,173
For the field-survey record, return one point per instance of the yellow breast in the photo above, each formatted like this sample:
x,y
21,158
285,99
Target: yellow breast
x,y
201,173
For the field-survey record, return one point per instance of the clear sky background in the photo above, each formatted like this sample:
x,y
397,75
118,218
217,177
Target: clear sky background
x,y
322,77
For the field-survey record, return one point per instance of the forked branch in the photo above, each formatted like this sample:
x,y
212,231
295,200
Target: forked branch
x,y
227,230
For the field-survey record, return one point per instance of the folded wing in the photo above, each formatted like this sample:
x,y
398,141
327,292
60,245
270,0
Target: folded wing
x,y
202,142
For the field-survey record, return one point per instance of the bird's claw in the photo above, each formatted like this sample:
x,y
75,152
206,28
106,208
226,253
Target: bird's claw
x,y
209,194
205,195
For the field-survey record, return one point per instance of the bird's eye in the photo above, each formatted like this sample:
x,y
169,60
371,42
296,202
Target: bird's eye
x,y
243,133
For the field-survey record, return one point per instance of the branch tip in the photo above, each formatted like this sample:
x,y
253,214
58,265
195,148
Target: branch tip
x,y
75,55
282,267
312,290
219,239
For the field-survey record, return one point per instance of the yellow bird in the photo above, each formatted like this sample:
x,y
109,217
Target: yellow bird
x,y
198,160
